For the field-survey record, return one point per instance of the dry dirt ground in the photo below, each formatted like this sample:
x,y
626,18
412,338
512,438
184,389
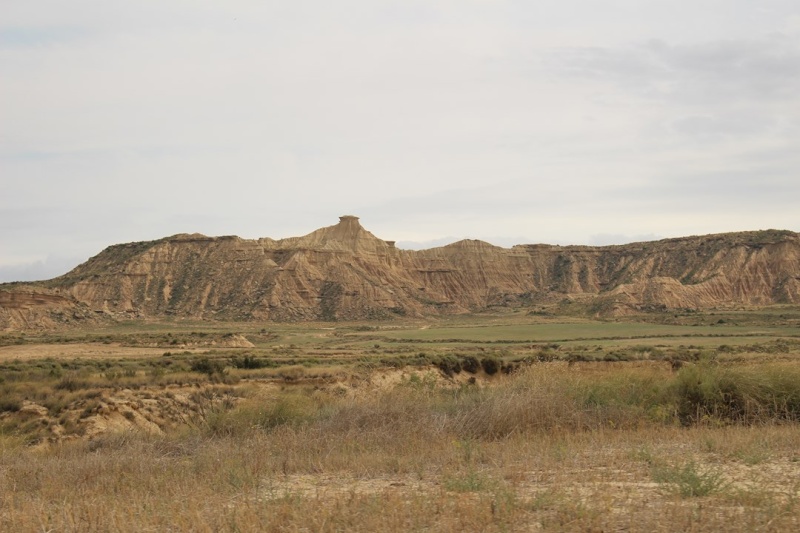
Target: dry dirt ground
x,y
601,491
27,352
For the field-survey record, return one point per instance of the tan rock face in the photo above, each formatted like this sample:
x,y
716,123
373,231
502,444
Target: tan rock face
x,y
345,272
34,307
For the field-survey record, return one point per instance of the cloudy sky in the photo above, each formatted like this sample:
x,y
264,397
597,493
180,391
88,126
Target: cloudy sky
x,y
568,121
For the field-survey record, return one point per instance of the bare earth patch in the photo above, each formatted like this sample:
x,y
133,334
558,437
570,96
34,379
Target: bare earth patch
x,y
27,352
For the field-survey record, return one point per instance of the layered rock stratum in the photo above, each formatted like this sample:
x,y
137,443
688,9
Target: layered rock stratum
x,y
344,272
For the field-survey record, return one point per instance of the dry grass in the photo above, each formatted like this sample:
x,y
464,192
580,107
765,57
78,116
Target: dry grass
x,y
554,448
362,429
275,481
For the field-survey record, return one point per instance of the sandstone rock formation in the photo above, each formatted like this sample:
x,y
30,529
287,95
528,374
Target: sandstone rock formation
x,y
344,272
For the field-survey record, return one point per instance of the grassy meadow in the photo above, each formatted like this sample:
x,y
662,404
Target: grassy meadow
x,y
499,422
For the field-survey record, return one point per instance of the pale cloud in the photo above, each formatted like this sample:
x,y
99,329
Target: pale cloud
x,y
698,74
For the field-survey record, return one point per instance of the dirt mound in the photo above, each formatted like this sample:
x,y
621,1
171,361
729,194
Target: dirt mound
x,y
234,341
148,409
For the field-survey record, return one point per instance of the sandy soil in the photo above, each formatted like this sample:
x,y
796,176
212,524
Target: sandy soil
x,y
27,352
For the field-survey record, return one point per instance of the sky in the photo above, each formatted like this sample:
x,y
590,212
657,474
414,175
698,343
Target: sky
x,y
562,122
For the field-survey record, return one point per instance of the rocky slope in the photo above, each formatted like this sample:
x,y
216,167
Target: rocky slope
x,y
344,272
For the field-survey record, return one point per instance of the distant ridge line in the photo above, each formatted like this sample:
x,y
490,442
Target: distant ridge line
x,y
344,272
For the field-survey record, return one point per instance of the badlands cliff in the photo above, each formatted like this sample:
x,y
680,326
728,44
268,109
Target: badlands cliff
x,y
344,272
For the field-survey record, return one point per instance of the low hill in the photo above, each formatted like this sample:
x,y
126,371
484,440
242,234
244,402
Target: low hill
x,y
344,272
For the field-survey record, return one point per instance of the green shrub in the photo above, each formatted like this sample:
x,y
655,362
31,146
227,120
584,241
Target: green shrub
x,y
11,405
490,365
71,383
470,481
211,367
250,362
702,391
289,410
689,481
470,364
449,365
546,355
708,391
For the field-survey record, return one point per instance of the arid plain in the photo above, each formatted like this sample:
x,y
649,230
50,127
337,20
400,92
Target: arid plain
x,y
503,421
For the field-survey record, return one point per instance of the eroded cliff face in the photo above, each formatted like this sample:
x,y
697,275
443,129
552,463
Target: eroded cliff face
x,y
24,307
343,272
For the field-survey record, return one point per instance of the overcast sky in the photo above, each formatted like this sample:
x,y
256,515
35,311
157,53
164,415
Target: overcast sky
x,y
568,121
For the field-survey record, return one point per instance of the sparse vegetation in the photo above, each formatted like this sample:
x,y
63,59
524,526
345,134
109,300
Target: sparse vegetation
x,y
689,481
455,427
